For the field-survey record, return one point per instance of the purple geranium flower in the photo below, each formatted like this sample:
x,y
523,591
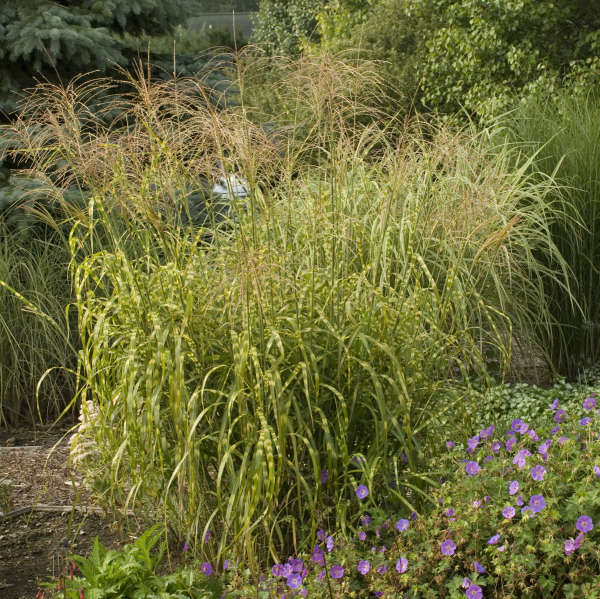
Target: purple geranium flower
x,y
206,569
286,570
510,444
276,570
336,571
466,583
519,501
294,581
402,524
589,403
493,540
321,535
402,565
560,416
362,491
487,433
508,512
537,503
520,459
324,476
362,535
538,473
450,445
366,519
585,421
329,544
513,487
584,524
570,546
472,468
496,446
472,443
479,567
545,446
597,471
474,592
448,547
554,405
519,426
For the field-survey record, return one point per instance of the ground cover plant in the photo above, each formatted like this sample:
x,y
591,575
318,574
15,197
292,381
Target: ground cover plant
x,y
516,515
323,330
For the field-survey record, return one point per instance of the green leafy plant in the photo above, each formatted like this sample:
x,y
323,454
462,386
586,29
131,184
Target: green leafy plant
x,y
131,573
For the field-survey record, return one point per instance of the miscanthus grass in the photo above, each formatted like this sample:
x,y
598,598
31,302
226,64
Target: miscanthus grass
x,y
326,327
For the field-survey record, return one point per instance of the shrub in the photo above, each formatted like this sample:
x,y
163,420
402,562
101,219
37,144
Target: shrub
x,y
451,55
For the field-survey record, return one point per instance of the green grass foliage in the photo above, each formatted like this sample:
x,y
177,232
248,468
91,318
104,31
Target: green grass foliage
x,y
562,135
332,322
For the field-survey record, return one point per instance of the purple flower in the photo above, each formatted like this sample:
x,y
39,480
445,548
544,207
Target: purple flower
x,y
488,458
520,459
414,515
479,567
501,548
487,498
206,569
321,576
286,570
382,569
585,421
321,535
508,512
554,405
448,547
402,524
474,592
324,476
589,403
472,468
226,564
487,433
533,435
186,546
519,500
362,535
402,565
476,504
207,536
538,473
560,416
297,564
362,491
449,512
318,556
597,471
329,544
472,443
510,444
366,519
584,524
450,445
336,571
537,503
562,440
496,446
294,581
513,487
364,566
493,540
466,583
519,426
569,546
276,570
545,446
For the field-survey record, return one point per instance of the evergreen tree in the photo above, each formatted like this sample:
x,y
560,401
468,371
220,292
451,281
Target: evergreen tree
x,y
52,39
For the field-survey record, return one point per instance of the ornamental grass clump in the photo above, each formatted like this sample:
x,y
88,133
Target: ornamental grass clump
x,y
330,323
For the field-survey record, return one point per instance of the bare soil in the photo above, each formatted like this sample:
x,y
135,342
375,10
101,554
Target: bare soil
x,y
35,544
